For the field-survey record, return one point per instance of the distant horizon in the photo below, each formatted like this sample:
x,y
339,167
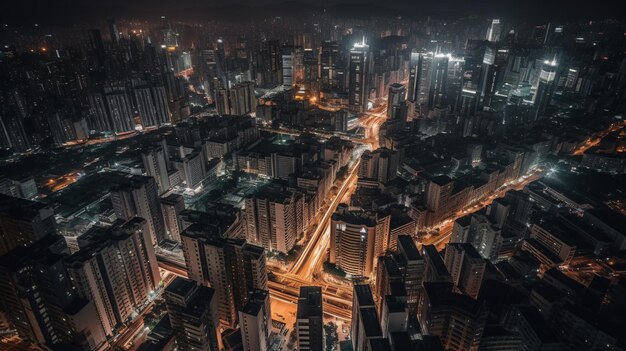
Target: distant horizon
x,y
70,12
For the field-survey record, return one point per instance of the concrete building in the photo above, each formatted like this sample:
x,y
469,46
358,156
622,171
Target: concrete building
x,y
192,312
309,319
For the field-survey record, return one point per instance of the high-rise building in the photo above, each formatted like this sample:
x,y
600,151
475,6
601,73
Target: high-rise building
x,y
116,268
545,88
138,196
23,222
357,238
434,267
242,98
411,264
358,78
155,165
424,71
438,80
172,206
255,321
466,267
119,108
151,103
230,266
365,323
495,31
381,164
396,96
456,319
37,295
192,312
309,319
274,219
414,60
222,101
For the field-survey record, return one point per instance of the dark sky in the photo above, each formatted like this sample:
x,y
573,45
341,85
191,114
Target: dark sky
x,y
80,11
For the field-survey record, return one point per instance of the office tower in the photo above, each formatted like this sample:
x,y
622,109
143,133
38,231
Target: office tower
x,y
365,323
222,101
191,309
255,321
414,60
98,117
116,268
230,266
438,191
172,206
274,219
545,88
424,73
331,64
311,69
456,319
23,222
242,99
356,239
466,267
155,165
411,264
438,81
395,98
358,78
309,319
119,109
138,196
495,31
288,59
434,267
381,164
37,296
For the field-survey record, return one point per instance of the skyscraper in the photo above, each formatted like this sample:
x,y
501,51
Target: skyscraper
x,y
23,222
356,239
37,295
119,108
138,196
309,319
438,80
116,268
495,30
274,219
155,165
230,266
255,321
192,312
545,88
358,79
172,206
395,98
466,267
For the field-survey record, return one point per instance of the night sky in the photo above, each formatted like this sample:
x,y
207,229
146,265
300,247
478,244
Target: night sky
x,y
81,11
